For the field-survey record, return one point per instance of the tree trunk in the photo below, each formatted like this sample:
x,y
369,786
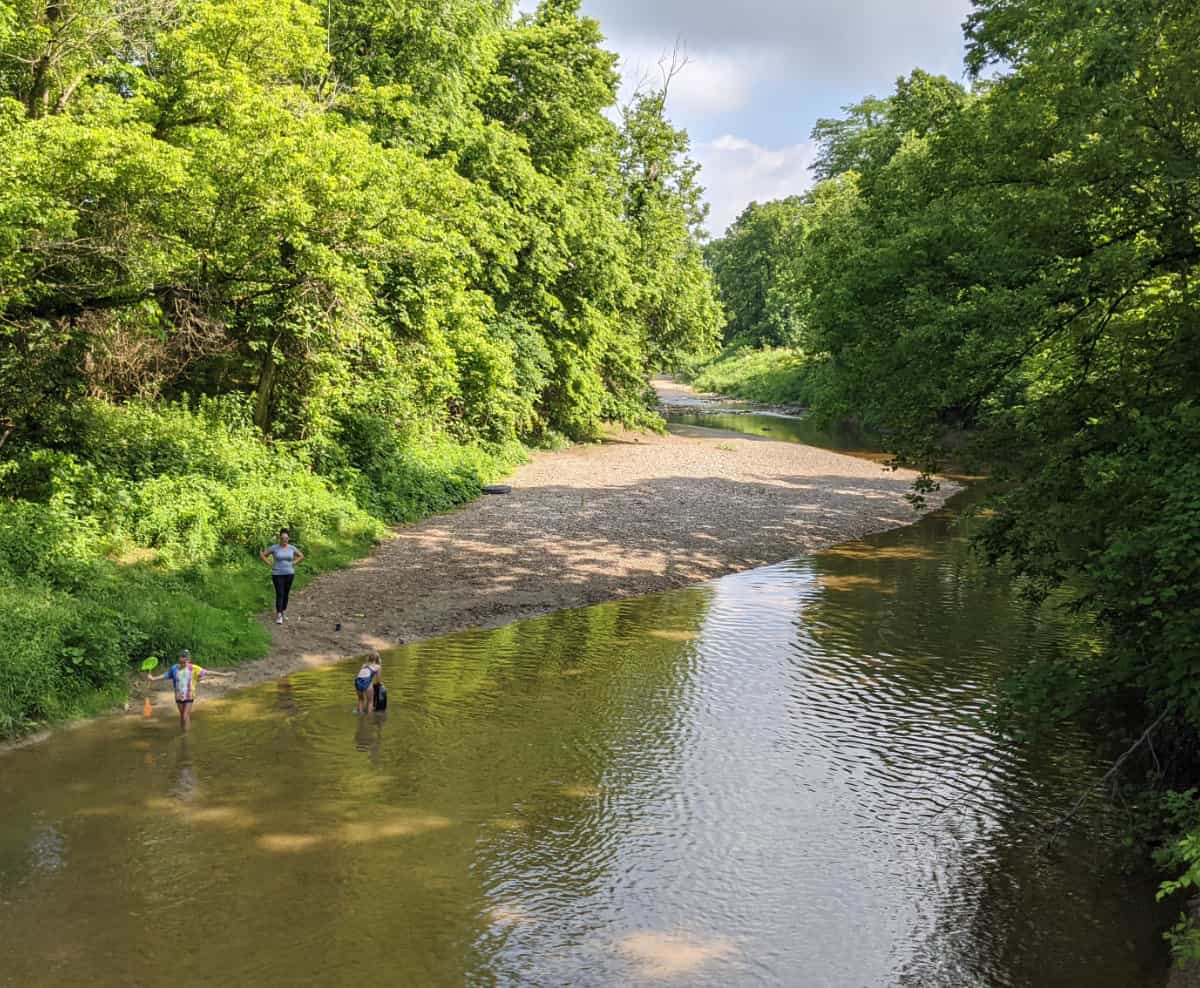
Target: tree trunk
x,y
266,382
39,87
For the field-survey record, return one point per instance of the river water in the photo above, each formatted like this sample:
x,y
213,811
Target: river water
x,y
778,778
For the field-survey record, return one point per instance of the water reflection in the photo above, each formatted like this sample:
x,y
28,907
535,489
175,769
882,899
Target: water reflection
x,y
779,778
368,735
186,787
47,848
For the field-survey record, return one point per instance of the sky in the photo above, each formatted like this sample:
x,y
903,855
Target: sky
x,y
761,72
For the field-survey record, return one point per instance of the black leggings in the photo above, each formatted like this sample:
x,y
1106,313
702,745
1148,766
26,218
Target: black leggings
x,y
283,586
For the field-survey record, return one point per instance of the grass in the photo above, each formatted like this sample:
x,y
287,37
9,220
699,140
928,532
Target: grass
x,y
777,376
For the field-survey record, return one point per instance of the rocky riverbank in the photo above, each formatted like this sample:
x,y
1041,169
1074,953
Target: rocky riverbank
x,y
631,515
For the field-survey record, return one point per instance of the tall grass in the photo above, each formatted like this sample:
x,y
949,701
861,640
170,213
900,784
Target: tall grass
x,y
778,376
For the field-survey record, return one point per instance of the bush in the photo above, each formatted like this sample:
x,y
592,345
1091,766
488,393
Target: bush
x,y
400,478
57,651
433,477
45,540
31,634
140,440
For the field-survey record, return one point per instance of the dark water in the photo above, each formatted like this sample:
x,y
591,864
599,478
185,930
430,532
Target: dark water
x,y
780,778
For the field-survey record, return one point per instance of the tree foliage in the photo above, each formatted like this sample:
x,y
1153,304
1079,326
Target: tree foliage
x,y
1025,271
754,266
417,197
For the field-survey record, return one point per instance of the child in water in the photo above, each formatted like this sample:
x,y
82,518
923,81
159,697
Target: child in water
x,y
370,673
185,675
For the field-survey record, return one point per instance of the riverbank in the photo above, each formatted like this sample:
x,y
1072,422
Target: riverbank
x,y
634,514
631,515
677,396
134,532
780,377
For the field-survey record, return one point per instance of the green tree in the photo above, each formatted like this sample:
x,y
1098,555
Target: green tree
x,y
873,129
754,266
1024,271
675,307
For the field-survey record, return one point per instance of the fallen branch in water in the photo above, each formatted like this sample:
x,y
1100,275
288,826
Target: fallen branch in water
x,y
987,776
1112,771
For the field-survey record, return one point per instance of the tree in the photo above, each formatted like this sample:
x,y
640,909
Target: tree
x,y
676,307
310,204
1025,272
754,267
873,129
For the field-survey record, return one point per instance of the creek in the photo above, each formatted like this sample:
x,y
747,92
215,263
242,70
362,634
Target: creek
x,y
782,777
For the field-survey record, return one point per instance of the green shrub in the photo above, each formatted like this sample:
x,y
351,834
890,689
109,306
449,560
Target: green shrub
x,y
401,478
433,477
140,440
45,540
31,630
57,651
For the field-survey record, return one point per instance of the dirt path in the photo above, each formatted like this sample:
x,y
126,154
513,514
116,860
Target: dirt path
x,y
629,516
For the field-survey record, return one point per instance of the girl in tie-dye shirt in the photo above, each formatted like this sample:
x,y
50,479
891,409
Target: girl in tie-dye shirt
x,y
185,674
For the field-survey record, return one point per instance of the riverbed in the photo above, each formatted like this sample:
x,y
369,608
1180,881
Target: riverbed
x,y
628,515
780,777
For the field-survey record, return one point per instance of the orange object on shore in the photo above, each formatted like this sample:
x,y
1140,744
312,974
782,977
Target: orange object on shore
x,y
146,708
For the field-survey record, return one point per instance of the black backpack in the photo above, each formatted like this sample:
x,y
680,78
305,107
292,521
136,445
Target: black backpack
x,y
380,697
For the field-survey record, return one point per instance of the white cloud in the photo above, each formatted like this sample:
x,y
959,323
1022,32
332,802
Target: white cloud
x,y
707,84
847,42
761,72
736,171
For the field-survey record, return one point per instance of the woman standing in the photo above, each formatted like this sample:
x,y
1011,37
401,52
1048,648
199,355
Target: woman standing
x,y
282,557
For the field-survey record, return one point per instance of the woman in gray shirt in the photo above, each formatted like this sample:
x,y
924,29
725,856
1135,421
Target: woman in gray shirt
x,y
282,557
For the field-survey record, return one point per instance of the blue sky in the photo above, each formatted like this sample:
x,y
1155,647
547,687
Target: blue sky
x,y
761,72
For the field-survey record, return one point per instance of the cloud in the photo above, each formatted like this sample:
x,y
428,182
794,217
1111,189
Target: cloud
x,y
736,171
707,84
761,72
840,42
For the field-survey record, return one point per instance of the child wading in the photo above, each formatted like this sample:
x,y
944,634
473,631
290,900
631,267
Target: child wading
x,y
370,673
185,675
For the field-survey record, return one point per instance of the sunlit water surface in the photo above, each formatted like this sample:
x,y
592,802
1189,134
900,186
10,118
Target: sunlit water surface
x,y
780,778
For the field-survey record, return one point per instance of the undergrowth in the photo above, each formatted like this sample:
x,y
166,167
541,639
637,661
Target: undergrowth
x,y
133,531
773,376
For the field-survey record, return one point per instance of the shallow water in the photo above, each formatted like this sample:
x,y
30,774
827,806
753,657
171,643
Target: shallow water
x,y
779,778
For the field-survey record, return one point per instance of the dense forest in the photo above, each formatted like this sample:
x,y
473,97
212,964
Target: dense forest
x,y
328,266
1007,272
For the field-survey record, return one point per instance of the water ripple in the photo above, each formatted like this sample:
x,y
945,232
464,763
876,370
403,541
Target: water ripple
x,y
782,778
